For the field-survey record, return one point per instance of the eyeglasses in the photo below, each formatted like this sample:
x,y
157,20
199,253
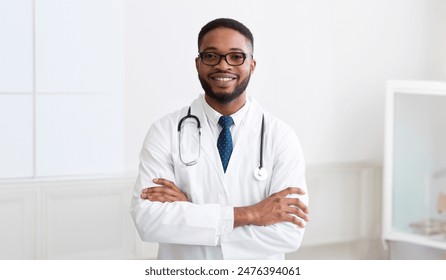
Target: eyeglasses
x,y
232,58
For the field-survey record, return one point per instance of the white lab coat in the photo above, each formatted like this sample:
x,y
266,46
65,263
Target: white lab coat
x,y
203,228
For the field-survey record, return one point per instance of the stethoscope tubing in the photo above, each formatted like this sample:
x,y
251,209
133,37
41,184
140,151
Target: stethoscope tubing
x,y
186,117
259,173
262,134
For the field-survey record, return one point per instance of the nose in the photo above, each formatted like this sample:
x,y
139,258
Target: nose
x,y
222,64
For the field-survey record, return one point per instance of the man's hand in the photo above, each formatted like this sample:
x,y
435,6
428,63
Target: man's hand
x,y
274,209
167,192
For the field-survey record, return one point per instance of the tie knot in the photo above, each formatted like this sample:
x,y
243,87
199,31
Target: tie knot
x,y
226,121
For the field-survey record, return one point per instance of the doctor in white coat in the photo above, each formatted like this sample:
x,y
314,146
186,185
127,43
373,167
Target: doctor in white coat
x,y
201,195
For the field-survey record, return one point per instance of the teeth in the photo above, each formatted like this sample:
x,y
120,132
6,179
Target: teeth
x,y
224,79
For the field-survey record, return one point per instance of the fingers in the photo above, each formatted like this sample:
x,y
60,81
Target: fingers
x,y
163,194
298,213
298,222
290,190
159,198
166,192
163,197
293,209
297,203
296,206
166,183
292,215
160,191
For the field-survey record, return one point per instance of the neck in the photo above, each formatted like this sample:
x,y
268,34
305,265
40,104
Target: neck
x,y
227,109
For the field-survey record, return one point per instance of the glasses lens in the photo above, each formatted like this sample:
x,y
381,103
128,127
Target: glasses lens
x,y
235,58
210,58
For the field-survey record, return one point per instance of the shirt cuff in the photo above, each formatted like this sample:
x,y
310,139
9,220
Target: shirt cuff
x,y
226,220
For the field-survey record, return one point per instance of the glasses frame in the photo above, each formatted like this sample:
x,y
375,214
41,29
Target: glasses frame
x,y
245,55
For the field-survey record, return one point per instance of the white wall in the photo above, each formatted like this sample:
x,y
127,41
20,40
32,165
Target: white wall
x,y
321,65
437,26
61,88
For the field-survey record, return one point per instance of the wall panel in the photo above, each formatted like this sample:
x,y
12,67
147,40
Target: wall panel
x,y
79,46
87,221
16,135
79,134
18,219
16,48
344,203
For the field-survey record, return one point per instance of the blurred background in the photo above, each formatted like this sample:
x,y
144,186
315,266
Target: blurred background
x,y
82,81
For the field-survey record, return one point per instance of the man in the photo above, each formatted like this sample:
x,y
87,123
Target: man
x,y
196,194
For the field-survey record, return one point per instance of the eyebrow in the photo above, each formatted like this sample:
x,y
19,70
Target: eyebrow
x,y
231,49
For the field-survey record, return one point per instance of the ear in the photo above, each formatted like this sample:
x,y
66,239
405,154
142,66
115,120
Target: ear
x,y
197,62
252,65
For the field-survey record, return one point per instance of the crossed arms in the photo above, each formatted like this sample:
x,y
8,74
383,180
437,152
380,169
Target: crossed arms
x,y
274,209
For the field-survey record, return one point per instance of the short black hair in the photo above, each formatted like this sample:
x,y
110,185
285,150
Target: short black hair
x,y
226,23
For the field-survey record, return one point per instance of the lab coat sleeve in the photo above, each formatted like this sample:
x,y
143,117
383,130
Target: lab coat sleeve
x,y
260,242
176,222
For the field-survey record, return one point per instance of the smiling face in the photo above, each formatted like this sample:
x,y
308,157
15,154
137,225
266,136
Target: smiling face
x,y
225,85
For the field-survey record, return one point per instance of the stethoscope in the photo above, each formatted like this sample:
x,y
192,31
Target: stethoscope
x,y
260,172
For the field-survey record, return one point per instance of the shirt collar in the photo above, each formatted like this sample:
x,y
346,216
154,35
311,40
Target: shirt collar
x,y
213,116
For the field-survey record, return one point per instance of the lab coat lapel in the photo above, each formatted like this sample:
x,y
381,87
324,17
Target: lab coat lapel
x,y
249,131
208,143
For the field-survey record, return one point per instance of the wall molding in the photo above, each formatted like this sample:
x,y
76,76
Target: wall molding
x,y
89,218
68,219
345,202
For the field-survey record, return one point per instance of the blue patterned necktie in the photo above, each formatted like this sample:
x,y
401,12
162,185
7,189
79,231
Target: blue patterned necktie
x,y
224,142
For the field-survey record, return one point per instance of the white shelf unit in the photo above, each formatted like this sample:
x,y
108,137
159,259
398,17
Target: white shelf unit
x,y
415,149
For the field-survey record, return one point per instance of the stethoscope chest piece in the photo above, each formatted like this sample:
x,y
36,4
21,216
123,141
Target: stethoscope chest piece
x,y
260,174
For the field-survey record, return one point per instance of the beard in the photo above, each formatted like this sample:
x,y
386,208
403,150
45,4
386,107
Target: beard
x,y
221,97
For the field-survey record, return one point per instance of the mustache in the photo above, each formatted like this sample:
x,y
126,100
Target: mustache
x,y
222,72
